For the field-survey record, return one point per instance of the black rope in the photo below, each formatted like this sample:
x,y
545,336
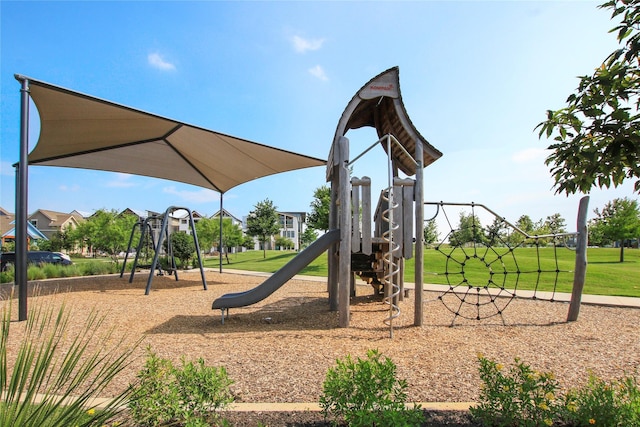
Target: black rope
x,y
476,301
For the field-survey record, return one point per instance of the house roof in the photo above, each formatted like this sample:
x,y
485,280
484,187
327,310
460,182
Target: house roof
x,y
81,131
32,232
6,222
226,214
56,219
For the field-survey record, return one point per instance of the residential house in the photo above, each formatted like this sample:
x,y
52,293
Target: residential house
x,y
6,224
51,223
292,226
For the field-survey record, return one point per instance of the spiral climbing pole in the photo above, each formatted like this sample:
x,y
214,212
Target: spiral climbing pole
x,y
392,268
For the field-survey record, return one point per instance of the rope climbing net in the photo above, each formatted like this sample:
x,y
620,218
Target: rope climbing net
x,y
486,268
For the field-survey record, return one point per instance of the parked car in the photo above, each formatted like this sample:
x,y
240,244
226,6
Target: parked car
x,y
33,257
63,256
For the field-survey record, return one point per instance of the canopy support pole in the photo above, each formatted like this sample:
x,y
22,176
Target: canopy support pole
x,y
220,236
21,202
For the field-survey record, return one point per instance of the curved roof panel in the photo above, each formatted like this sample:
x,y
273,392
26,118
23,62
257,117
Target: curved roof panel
x,y
378,104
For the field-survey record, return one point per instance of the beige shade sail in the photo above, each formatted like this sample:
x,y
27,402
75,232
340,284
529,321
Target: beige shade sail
x,y
81,131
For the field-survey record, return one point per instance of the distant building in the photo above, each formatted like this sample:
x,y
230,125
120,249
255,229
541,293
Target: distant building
x,y
51,223
292,226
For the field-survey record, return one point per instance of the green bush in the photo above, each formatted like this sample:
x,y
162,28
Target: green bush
x,y
520,396
601,403
190,395
52,386
96,268
517,396
367,393
35,272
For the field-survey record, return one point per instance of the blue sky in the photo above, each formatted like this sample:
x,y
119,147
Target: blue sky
x,y
476,78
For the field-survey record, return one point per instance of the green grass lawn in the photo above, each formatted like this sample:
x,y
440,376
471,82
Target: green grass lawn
x,y
605,275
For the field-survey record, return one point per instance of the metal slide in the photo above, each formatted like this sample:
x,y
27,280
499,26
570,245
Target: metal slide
x,y
280,277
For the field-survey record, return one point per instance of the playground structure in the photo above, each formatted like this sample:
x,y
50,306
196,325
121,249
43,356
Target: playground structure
x,y
149,239
376,250
80,131
377,258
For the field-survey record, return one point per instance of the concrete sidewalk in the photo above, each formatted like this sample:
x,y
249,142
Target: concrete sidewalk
x,y
602,300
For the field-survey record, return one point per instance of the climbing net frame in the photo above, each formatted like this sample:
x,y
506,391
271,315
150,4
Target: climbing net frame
x,y
487,288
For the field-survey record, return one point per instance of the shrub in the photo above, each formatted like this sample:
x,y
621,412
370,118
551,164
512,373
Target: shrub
x,y
50,385
367,393
35,272
516,396
189,395
96,268
601,403
523,397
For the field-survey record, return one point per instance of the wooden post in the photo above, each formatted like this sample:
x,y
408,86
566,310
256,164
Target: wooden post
x,y
419,254
355,214
344,200
332,253
366,215
580,271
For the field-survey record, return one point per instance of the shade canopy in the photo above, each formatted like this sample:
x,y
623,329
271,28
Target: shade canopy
x,y
81,131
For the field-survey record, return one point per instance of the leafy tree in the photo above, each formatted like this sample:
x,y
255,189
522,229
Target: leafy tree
x,y
248,242
596,232
106,231
619,220
284,243
183,247
208,234
208,230
555,224
308,236
318,218
497,231
430,232
597,135
262,222
469,230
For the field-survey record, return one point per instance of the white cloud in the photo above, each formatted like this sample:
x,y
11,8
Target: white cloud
x,y
302,45
319,73
69,188
121,180
200,196
529,155
157,61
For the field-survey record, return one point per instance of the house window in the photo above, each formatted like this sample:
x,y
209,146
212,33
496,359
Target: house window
x,y
34,222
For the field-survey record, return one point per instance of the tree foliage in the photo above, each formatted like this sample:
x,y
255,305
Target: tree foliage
x,y
469,231
106,231
618,221
308,236
430,232
262,222
183,247
208,230
318,218
597,134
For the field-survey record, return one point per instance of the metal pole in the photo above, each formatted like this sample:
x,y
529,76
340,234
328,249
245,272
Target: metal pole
x,y
580,271
220,234
21,202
